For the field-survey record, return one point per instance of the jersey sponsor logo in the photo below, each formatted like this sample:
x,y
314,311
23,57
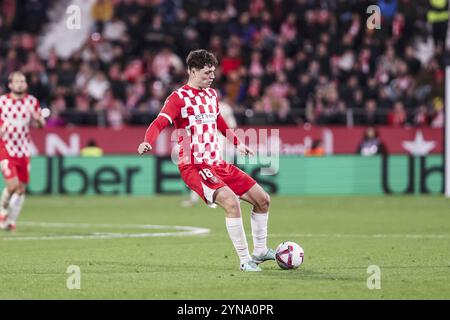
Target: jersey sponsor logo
x,y
205,118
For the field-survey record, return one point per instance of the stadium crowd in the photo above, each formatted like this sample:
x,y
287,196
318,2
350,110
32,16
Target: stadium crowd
x,y
281,62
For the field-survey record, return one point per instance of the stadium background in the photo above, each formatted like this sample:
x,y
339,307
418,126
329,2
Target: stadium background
x,y
311,69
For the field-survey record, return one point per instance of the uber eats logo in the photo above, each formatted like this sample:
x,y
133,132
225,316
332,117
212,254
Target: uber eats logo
x,y
421,173
60,175
413,174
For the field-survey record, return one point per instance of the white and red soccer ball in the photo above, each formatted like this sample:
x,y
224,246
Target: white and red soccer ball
x,y
289,255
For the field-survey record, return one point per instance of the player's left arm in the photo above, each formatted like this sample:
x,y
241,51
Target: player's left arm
x,y
37,115
231,136
228,133
2,124
2,127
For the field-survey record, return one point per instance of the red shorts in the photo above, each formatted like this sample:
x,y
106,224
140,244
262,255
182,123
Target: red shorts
x,y
16,167
205,179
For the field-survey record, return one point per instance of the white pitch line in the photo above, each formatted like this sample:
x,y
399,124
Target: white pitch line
x,y
183,231
375,236
103,225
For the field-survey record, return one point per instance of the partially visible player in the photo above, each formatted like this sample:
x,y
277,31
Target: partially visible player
x,y
18,111
194,111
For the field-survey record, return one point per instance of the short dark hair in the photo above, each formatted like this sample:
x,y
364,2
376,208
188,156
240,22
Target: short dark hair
x,y
201,58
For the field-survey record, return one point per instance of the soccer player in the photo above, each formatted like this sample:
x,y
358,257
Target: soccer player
x,y
18,110
194,111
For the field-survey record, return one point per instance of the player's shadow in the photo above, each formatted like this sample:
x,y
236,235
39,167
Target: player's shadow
x,y
305,274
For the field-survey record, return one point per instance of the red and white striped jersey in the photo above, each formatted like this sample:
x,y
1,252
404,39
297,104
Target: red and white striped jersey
x,y
196,111
195,114
15,119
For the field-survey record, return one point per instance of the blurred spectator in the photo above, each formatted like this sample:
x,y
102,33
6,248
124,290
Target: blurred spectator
x,y
33,64
420,116
275,99
134,71
102,11
52,60
437,120
256,68
9,10
370,144
97,86
370,116
437,16
66,75
91,149
12,62
166,64
114,29
397,116
233,86
35,12
316,149
382,100
279,59
55,120
349,89
83,76
82,102
329,108
115,114
38,89
288,28
231,61
413,63
134,95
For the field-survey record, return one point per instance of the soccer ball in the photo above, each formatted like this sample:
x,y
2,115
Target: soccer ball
x,y
289,255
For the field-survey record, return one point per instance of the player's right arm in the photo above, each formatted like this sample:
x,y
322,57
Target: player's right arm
x,y
2,128
170,111
3,124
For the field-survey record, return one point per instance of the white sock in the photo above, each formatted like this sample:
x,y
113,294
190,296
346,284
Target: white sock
x,y
237,235
3,200
15,205
259,232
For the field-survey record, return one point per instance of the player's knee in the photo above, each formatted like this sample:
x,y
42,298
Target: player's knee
x,y
264,202
231,205
13,188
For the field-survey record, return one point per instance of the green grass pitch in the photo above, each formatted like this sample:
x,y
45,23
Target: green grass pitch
x,y
408,238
